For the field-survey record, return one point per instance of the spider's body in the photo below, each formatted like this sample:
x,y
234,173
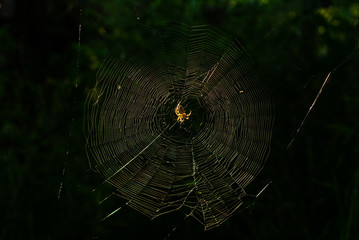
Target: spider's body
x,y
181,113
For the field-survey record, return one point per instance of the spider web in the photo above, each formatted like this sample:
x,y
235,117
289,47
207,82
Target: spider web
x,y
158,164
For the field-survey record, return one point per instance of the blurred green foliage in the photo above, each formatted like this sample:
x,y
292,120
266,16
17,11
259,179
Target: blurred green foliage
x,y
314,194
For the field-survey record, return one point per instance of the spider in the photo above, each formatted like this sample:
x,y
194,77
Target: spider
x,y
181,113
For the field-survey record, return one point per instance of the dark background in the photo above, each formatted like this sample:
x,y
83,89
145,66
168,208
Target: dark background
x,y
314,190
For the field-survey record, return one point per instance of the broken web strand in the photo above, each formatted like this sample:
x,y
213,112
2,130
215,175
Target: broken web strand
x,y
310,109
328,77
73,104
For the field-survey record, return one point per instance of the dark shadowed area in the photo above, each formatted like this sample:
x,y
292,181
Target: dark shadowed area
x,y
46,72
